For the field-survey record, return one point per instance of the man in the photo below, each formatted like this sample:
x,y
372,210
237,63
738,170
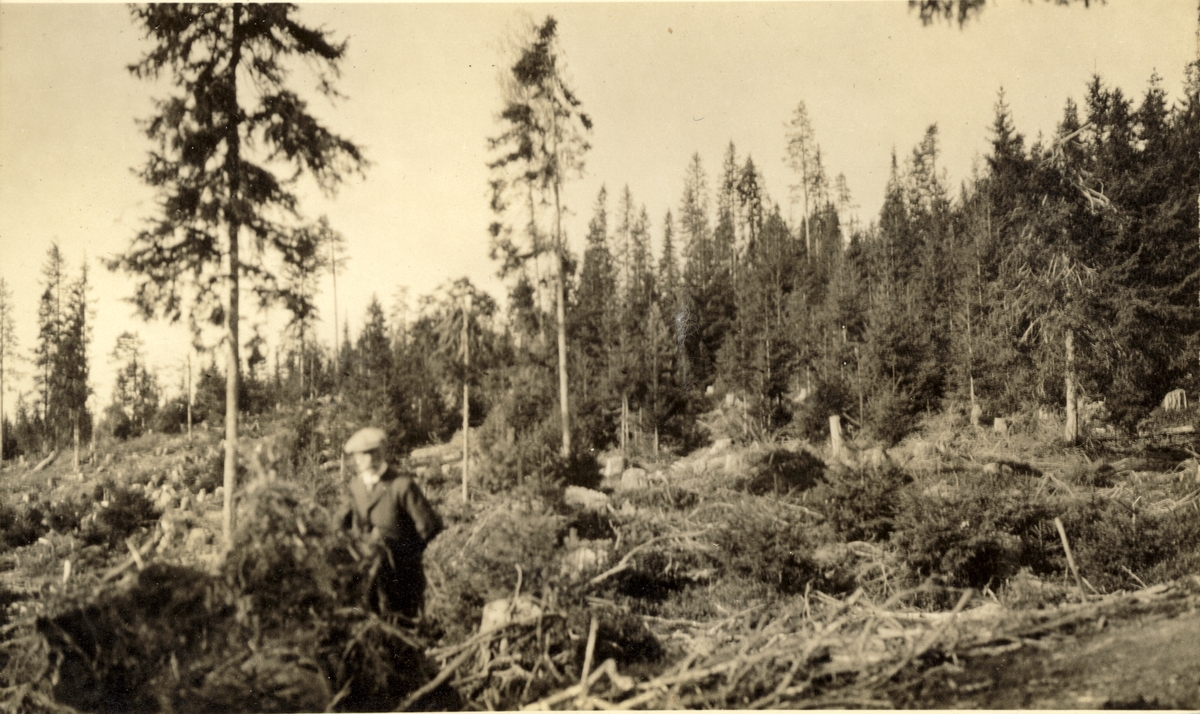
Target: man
x,y
389,510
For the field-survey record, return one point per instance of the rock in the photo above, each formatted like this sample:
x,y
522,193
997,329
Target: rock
x,y
921,449
198,538
720,445
715,464
734,464
585,498
614,466
219,493
202,496
581,561
1000,426
498,613
634,478
875,457
185,502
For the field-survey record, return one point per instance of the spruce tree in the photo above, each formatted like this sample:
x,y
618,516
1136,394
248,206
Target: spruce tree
x,y
232,141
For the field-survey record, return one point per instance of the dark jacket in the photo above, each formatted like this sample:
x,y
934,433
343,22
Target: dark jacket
x,y
396,509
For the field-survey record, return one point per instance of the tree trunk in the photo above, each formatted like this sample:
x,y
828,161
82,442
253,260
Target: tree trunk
x,y
835,436
75,435
233,160
625,426
189,396
1071,431
2,405
466,428
564,402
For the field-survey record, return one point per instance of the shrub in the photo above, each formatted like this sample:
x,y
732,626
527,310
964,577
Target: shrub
x,y
811,418
127,511
1108,540
782,471
759,547
859,504
21,527
976,535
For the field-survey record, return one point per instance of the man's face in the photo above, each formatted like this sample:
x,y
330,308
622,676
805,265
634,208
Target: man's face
x,y
366,460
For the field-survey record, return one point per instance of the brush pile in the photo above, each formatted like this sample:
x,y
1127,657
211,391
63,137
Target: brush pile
x,y
270,631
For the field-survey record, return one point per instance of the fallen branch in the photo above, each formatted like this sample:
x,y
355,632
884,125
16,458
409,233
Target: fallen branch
x,y
135,559
623,564
436,681
1062,533
45,462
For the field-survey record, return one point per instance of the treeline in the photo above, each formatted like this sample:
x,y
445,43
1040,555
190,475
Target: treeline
x,y
1064,264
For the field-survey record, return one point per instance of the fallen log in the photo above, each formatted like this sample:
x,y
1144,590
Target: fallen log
x,y
45,462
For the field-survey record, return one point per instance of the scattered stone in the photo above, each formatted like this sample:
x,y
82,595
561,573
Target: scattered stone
x,y
198,538
499,613
582,561
585,498
634,478
1000,426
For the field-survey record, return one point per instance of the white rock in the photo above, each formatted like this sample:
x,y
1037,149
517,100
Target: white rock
x,y
720,445
585,498
498,613
581,561
198,538
634,478
615,466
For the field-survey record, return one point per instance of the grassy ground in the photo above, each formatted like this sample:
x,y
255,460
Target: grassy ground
x,y
741,576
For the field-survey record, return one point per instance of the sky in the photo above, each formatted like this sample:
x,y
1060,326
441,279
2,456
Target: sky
x,y
661,82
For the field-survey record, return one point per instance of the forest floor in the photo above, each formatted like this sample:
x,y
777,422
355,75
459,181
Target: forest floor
x,y
680,584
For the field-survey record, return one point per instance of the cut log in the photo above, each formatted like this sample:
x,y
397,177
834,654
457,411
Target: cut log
x,y
45,462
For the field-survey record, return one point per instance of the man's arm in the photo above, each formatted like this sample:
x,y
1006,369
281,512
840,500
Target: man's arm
x,y
427,521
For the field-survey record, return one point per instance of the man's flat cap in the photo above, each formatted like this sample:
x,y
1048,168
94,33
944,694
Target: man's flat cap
x,y
367,439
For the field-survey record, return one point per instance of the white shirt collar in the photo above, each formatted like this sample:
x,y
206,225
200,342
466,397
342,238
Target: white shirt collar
x,y
371,477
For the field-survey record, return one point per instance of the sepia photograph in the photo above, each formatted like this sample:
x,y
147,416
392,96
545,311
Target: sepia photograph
x,y
453,356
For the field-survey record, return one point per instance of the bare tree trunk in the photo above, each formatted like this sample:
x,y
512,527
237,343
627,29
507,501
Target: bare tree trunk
x,y
564,401
466,468
625,426
75,434
2,405
1071,431
231,378
835,436
189,396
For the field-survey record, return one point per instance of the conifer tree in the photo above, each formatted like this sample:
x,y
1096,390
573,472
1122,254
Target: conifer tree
x,y
232,142
541,146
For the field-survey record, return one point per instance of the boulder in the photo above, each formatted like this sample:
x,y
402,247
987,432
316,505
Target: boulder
x,y
198,538
582,561
498,613
634,478
1000,426
585,498
720,445
614,466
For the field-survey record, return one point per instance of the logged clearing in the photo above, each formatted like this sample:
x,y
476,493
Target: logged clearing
x,y
961,568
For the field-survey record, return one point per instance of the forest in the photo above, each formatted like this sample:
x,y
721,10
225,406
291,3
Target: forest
x,y
637,450
1066,264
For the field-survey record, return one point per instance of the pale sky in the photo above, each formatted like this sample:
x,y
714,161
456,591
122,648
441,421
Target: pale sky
x,y
661,82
